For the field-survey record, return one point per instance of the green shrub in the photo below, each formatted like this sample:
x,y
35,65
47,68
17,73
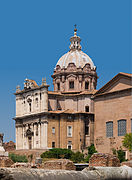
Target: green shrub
x,y
77,157
91,151
120,154
57,153
18,158
127,141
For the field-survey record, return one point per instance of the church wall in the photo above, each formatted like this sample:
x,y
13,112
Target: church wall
x,y
53,122
84,101
112,107
60,137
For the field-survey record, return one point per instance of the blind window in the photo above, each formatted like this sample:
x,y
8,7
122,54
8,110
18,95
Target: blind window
x,y
69,131
109,129
122,127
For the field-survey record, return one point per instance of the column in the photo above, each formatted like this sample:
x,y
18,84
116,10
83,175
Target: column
x,y
35,126
19,138
23,133
39,135
31,126
91,130
16,138
26,138
44,135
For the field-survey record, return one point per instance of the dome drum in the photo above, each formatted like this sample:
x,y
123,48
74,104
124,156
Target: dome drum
x,y
75,70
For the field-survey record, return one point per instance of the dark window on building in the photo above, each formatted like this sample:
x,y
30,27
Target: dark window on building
x,y
30,107
53,144
58,86
37,130
109,129
122,127
86,127
86,108
71,85
69,131
69,146
86,85
53,130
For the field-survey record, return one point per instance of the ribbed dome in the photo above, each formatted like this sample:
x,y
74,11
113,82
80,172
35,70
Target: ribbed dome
x,y
77,57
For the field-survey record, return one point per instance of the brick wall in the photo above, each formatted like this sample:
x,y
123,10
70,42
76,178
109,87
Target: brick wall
x,y
100,159
64,164
5,162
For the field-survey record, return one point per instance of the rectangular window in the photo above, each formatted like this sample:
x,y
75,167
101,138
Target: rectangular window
x,y
109,129
71,85
86,85
58,86
122,127
69,131
53,130
86,108
53,144
69,145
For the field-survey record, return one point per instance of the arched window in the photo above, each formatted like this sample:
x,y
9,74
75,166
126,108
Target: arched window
x,y
121,127
30,109
36,101
69,145
109,129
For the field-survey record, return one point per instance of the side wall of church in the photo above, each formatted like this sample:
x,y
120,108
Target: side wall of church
x,y
111,108
60,135
75,103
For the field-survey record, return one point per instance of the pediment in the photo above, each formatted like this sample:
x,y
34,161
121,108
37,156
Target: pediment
x,y
71,76
120,82
71,67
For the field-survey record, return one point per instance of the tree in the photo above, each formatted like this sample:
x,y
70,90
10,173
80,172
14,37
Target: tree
x,y
127,141
77,157
120,154
57,153
91,151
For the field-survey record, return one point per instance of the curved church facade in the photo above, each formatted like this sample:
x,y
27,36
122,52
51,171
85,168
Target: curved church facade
x,y
65,117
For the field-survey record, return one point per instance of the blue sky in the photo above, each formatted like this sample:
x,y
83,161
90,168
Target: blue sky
x,y
35,34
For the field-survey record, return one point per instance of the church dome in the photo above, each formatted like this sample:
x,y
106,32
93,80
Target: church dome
x,y
79,58
75,55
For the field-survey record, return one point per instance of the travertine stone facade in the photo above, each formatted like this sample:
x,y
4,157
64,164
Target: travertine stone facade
x,y
31,127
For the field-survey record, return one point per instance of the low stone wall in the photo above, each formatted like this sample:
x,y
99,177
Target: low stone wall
x,y
28,153
5,162
64,164
104,160
127,163
9,146
99,173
